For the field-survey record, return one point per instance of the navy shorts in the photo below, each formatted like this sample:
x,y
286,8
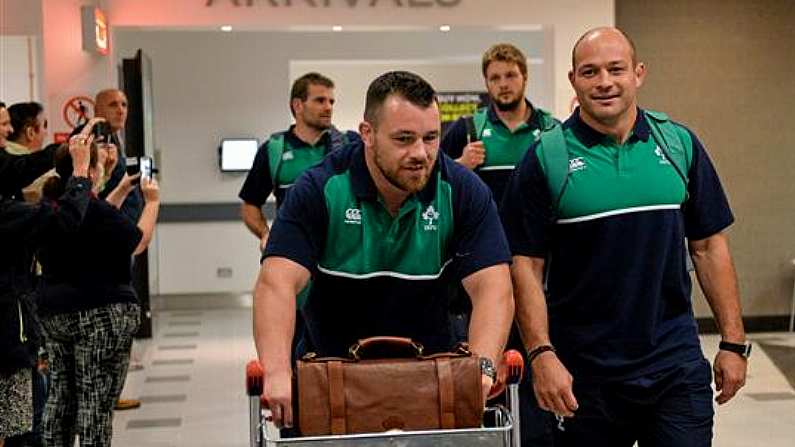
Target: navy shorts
x,y
669,408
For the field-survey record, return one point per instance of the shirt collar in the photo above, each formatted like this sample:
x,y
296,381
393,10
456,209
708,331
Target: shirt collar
x,y
364,186
295,142
591,137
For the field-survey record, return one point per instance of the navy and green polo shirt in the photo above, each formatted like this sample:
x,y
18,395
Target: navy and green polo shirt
x,y
504,148
374,274
618,291
296,157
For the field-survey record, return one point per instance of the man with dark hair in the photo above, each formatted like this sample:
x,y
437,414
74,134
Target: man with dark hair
x,y
30,128
286,155
383,227
597,215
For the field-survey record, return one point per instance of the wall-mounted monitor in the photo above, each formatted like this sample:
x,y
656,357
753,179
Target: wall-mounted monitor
x,y
237,154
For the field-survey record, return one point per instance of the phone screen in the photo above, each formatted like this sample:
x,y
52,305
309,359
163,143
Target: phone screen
x,y
146,167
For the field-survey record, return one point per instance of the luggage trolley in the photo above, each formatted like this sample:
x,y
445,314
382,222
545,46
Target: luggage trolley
x,y
503,432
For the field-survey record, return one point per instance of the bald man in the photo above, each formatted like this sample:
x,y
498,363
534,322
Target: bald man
x,y
111,104
600,210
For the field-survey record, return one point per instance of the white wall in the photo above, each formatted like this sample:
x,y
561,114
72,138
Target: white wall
x,y
19,64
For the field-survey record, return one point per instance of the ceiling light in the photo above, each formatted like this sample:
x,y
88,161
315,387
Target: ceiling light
x,y
444,28
226,28
336,28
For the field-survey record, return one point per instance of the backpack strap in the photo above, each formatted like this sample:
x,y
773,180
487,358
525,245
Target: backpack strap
x,y
275,152
555,161
546,119
337,139
668,138
479,119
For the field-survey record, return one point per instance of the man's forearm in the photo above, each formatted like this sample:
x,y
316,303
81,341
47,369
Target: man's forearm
x,y
492,310
254,219
718,279
531,307
274,324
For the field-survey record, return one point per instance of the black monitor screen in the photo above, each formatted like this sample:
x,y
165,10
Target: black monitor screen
x,y
237,154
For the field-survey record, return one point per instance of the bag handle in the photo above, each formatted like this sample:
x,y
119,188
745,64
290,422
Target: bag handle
x,y
391,342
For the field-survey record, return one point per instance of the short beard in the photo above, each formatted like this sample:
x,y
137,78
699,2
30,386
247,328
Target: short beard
x,y
508,107
393,179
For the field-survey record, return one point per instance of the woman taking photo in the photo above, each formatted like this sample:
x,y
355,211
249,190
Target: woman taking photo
x,y
22,226
88,308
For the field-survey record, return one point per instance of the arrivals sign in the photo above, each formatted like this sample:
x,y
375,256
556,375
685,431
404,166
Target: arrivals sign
x,y
334,3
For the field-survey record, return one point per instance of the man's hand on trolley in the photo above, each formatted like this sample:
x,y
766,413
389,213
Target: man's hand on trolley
x,y
552,384
277,394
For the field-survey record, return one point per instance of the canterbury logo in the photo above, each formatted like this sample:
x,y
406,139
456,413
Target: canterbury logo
x,y
353,216
663,159
576,164
429,216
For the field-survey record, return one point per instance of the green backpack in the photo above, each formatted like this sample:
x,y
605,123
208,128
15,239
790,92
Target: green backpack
x,y
276,146
556,154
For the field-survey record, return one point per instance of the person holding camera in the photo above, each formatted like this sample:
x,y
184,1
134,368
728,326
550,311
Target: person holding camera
x,y
22,226
88,307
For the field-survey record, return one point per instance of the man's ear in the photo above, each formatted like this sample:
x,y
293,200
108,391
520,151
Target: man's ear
x,y
30,133
367,132
297,105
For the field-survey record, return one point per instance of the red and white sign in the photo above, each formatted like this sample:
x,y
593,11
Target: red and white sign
x,y
77,110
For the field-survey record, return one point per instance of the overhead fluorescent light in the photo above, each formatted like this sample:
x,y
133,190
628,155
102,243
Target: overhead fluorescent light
x,y
336,28
444,28
226,28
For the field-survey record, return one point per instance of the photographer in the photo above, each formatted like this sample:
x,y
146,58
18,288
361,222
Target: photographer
x,y
22,226
88,306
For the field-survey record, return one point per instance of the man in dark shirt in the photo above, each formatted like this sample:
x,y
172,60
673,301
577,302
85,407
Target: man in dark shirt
x,y
286,155
383,227
602,207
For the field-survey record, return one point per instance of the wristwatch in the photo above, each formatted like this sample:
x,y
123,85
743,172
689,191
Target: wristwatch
x,y
487,368
743,349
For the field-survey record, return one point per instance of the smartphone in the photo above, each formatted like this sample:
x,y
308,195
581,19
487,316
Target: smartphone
x,y
101,132
144,165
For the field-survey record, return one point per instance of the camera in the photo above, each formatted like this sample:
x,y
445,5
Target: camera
x,y
102,132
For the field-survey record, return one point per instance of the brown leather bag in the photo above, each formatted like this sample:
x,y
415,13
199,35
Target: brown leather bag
x,y
338,396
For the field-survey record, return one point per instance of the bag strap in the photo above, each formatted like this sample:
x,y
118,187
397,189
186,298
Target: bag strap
x,y
667,138
444,373
336,394
275,152
479,119
555,161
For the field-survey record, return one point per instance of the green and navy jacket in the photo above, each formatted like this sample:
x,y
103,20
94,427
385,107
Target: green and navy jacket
x,y
504,148
618,291
282,159
374,274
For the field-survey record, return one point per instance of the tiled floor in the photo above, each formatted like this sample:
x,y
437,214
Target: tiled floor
x,y
192,386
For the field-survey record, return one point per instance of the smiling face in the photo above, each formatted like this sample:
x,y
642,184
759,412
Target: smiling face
x,y
605,77
404,144
5,126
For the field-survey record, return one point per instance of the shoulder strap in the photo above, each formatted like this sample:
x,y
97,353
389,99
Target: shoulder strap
x,y
479,120
555,161
667,137
546,119
337,139
275,151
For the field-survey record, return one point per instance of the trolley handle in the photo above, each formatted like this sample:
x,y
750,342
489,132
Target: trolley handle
x,y
514,366
255,378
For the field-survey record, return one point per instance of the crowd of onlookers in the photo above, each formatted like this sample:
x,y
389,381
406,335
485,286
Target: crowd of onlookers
x,y
72,218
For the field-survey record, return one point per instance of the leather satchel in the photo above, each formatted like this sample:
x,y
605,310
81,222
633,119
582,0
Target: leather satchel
x,y
361,394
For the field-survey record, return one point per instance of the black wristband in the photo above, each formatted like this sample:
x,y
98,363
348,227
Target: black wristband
x,y
531,355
